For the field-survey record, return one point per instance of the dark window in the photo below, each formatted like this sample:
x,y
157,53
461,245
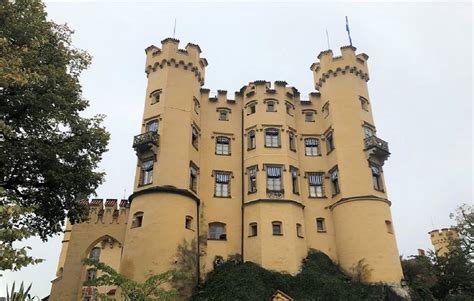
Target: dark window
x,y
91,274
274,182
223,115
251,140
152,126
299,230
334,181
270,106
253,230
276,228
364,103
376,177
147,172
309,116
389,226
315,182
217,231
272,137
222,186
222,145
188,223
194,137
197,106
252,173
292,141
137,220
311,147
95,253
320,225
252,109
193,177
289,109
329,142
155,96
294,180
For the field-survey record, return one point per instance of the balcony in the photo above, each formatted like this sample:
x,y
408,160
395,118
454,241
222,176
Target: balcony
x,y
148,141
376,149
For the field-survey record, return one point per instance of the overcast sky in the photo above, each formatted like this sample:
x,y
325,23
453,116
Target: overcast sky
x,y
420,87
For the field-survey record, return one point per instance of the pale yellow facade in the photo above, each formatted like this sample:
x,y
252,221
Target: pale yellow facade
x,y
440,239
266,174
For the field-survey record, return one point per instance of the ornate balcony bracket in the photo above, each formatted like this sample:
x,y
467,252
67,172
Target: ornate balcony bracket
x,y
275,194
146,143
376,149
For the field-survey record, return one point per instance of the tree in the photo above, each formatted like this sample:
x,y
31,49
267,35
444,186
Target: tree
x,y
464,217
151,289
48,152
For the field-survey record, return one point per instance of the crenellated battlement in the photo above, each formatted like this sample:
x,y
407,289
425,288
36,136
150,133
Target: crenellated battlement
x,y
170,55
347,63
107,210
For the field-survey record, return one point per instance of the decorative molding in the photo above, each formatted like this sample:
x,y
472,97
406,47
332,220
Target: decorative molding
x,y
281,201
165,189
348,69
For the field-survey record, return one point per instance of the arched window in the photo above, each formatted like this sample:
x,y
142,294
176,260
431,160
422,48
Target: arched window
x,y
217,231
137,220
95,253
252,143
272,137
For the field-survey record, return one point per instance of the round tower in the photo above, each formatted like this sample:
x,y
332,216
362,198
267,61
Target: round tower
x,y
164,208
273,226
360,209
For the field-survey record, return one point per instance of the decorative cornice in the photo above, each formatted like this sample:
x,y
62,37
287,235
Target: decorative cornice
x,y
280,83
359,198
177,64
165,189
348,47
173,40
323,53
195,46
348,69
284,201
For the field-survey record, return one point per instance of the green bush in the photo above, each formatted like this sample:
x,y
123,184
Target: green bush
x,y
319,279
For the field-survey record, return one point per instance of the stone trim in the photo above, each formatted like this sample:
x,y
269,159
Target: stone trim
x,y
284,201
177,64
331,73
359,198
165,189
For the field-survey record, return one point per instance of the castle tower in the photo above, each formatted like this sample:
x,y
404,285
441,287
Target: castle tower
x,y
355,157
440,239
273,228
164,208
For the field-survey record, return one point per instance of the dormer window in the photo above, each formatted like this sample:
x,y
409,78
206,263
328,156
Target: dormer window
x,y
155,96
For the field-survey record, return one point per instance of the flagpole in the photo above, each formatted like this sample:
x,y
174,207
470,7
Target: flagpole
x,y
174,28
348,31
327,38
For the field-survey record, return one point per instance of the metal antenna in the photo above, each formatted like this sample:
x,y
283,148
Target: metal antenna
x,y
174,28
125,193
327,38
348,31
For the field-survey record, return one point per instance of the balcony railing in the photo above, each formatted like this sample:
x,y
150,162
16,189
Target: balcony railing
x,y
376,148
146,141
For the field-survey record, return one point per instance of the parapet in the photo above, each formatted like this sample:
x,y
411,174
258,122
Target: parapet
x,y
347,63
170,55
107,210
266,89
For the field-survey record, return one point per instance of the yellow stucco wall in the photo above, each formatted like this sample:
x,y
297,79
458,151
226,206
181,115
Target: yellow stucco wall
x,y
358,222
440,239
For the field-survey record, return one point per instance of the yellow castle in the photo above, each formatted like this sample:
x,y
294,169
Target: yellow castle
x,y
265,174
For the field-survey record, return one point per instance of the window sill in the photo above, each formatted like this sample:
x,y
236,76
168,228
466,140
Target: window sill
x,y
293,150
277,234
322,231
335,194
379,190
222,154
279,146
217,239
297,193
251,192
317,197
249,149
147,184
276,191
299,236
306,155
223,197
310,121
253,235
195,147
190,229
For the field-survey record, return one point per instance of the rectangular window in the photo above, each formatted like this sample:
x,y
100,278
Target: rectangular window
x,y
274,182
329,142
253,230
315,182
222,184
376,177
311,147
217,231
309,116
299,230
320,225
147,172
222,146
152,126
272,137
223,115
194,137
334,181
292,141
196,105
193,174
294,179
251,140
368,132
276,228
252,109
155,96
289,109
252,173
188,223
270,106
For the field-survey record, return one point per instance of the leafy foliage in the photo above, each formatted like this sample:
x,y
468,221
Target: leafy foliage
x,y
319,279
151,289
186,263
48,152
21,295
